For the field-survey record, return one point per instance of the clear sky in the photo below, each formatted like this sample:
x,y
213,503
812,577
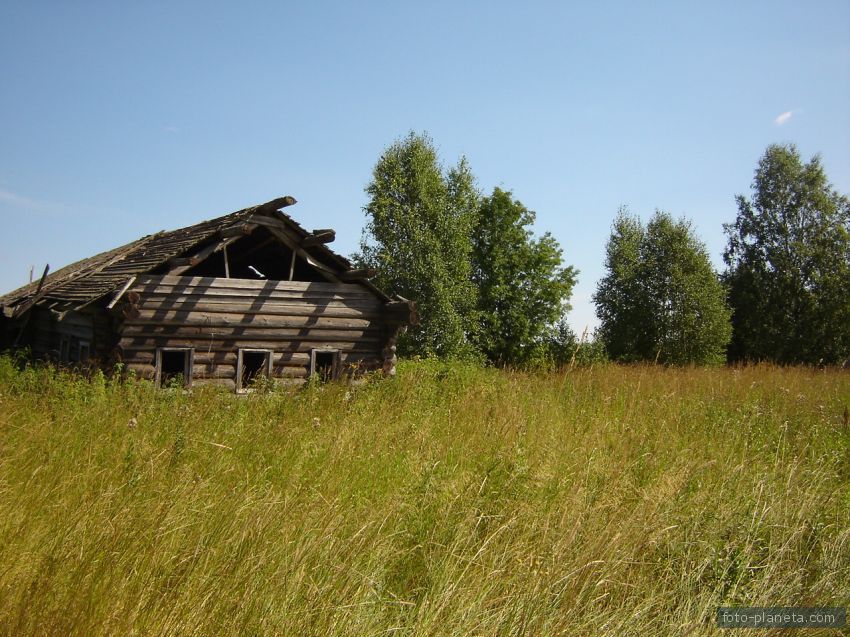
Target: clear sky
x,y
119,119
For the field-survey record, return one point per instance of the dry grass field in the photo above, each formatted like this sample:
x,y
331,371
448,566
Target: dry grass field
x,y
448,501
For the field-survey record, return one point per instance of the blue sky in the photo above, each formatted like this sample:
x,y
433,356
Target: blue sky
x,y
122,119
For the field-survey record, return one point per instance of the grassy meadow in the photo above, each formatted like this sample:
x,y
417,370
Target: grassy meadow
x,y
450,500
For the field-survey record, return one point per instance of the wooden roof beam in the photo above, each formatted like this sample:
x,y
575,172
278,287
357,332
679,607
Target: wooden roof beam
x,y
179,265
357,275
277,204
283,235
239,230
324,235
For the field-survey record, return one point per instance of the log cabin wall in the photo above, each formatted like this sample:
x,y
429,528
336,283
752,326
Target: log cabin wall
x,y
216,317
66,338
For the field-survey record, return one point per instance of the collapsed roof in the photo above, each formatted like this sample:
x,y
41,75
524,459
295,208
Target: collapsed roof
x,y
89,280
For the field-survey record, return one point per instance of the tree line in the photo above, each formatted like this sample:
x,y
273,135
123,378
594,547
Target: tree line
x,y
488,289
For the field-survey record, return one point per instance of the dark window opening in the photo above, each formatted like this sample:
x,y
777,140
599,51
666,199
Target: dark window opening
x,y
73,350
64,349
325,364
84,351
254,366
174,368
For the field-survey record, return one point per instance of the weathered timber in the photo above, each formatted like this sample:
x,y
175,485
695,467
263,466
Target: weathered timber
x,y
281,202
240,230
129,303
247,302
269,308
357,275
215,320
254,332
229,345
234,341
117,297
325,235
228,357
209,284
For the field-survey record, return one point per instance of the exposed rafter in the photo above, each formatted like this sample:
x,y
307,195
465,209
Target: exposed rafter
x,y
182,264
325,235
358,274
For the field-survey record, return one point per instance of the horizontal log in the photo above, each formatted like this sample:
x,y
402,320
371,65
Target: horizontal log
x,y
268,293
270,308
226,383
254,296
231,320
213,371
142,371
214,282
147,357
227,357
214,345
244,305
204,333
221,371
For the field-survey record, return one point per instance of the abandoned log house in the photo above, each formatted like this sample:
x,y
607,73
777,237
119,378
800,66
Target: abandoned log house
x,y
234,301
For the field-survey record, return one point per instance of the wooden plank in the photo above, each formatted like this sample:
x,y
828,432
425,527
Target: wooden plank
x,y
120,293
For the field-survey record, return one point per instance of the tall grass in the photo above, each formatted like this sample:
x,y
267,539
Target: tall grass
x,y
448,501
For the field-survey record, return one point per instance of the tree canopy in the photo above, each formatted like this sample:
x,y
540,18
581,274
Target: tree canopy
x,y
484,285
420,217
660,299
788,264
523,288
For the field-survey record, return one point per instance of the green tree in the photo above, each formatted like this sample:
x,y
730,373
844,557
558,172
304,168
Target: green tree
x,y
660,298
419,220
621,303
523,289
788,264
